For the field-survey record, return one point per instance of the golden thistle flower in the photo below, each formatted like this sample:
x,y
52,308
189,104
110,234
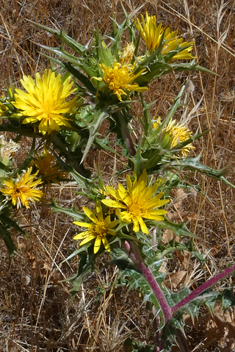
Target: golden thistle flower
x,y
127,54
98,230
179,134
137,202
153,37
45,101
23,190
119,79
48,167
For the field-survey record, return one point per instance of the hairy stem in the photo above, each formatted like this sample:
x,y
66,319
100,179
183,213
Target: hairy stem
x,y
202,288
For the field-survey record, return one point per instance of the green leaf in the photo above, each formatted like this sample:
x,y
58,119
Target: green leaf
x,y
74,213
104,54
9,222
195,165
178,229
131,345
79,48
191,139
6,236
81,77
103,143
80,251
60,53
99,117
191,66
122,263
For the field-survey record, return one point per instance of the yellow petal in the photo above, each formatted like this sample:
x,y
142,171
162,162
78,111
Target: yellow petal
x,y
97,244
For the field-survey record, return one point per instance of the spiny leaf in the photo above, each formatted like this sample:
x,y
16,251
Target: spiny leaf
x,y
63,36
81,77
99,117
195,165
74,213
103,143
178,229
62,54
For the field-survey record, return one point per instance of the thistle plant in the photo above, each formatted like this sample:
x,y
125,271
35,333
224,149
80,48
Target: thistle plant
x,y
65,109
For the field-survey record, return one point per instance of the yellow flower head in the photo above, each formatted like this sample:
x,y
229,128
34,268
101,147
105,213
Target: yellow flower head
x,y
119,79
178,133
23,190
127,54
48,168
137,202
153,36
98,230
45,101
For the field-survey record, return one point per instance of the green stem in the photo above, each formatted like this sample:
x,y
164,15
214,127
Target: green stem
x,y
125,132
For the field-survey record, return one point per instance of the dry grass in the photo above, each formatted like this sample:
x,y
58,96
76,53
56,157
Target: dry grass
x,y
36,313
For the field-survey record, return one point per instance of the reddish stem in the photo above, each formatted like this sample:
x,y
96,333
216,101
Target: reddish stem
x,y
149,277
202,288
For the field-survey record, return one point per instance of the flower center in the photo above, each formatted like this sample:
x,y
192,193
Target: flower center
x,y
100,229
136,209
17,191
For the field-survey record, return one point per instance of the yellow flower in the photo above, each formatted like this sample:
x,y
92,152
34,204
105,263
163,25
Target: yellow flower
x,y
98,231
157,123
179,134
23,190
48,168
154,35
137,202
127,54
45,101
119,79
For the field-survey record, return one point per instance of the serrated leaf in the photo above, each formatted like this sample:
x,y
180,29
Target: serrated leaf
x,y
80,76
78,251
74,213
178,229
195,165
99,117
103,143
63,55
63,36
104,54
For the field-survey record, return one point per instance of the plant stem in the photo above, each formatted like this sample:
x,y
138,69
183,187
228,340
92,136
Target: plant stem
x,y
202,288
125,132
149,277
